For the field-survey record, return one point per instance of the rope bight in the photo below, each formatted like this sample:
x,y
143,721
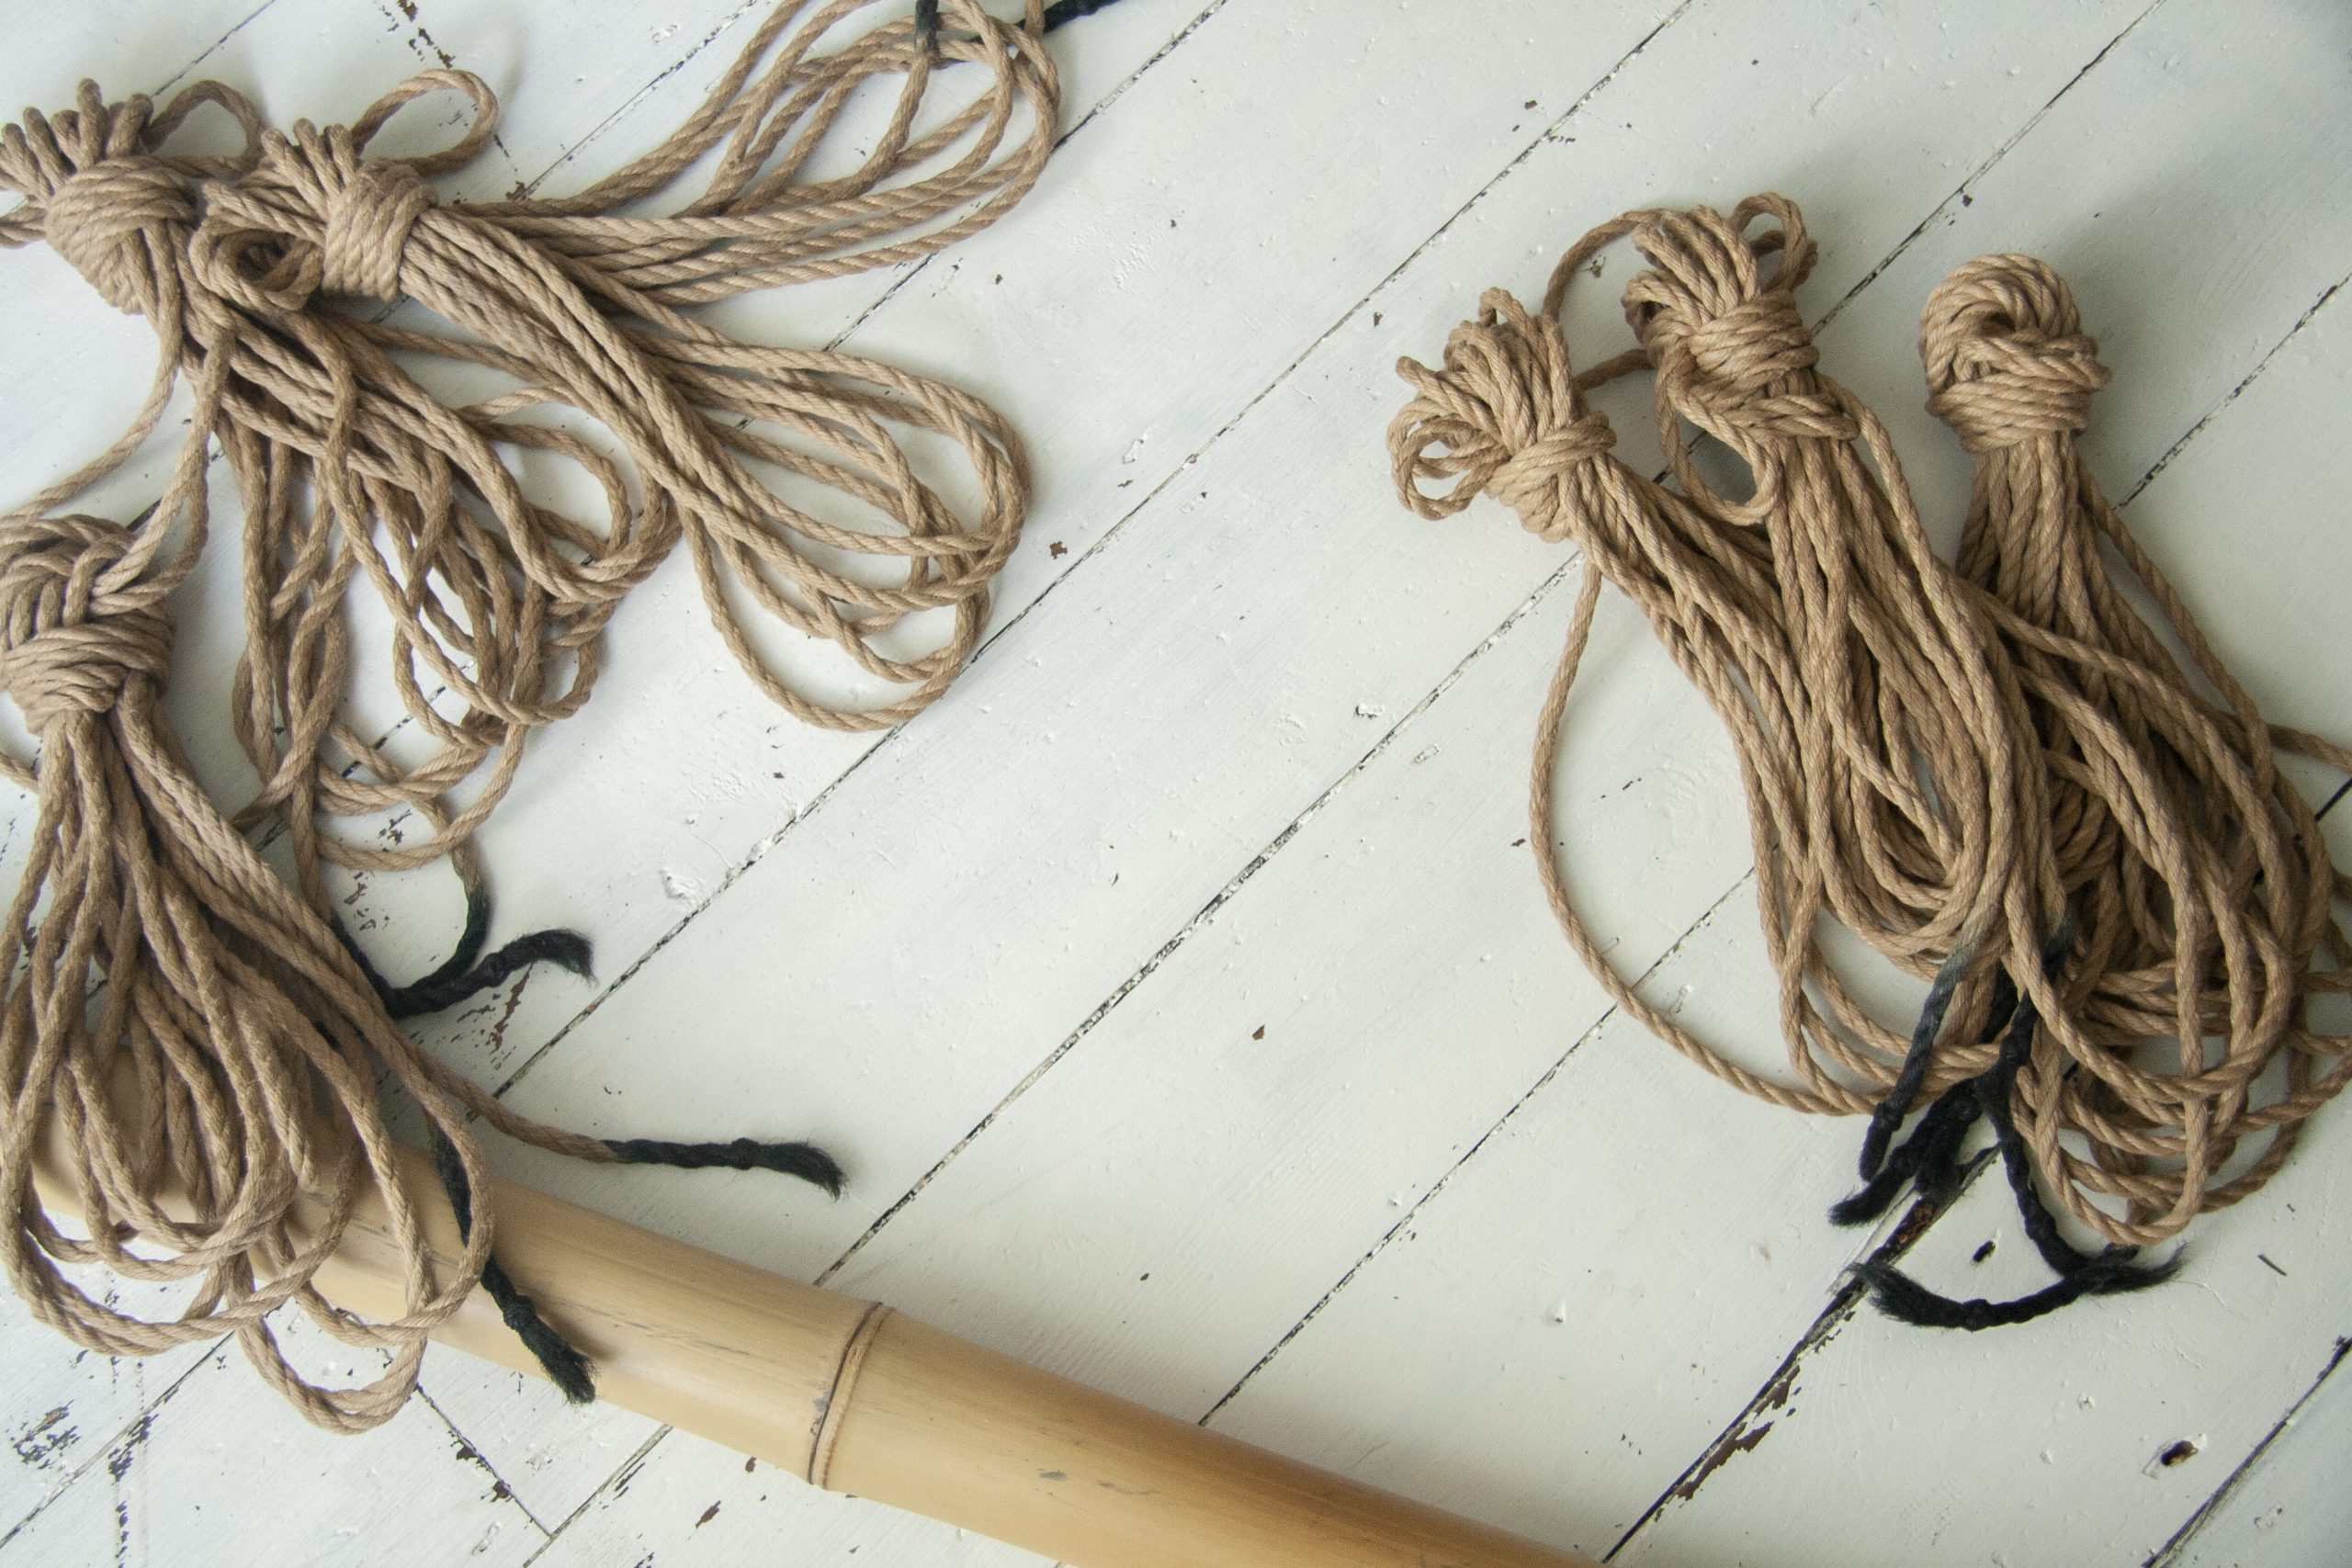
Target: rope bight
x,y
185,1021
1994,773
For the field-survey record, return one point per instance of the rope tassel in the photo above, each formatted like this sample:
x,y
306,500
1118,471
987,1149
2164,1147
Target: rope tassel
x,y
151,953
1948,761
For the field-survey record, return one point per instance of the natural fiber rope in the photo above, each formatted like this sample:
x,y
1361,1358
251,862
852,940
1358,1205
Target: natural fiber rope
x,y
249,1038
1995,776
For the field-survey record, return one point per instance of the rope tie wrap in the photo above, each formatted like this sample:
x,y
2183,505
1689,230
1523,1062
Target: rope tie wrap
x,y
1728,344
1996,774
74,635
112,207
2008,361
1504,414
186,1020
367,227
313,216
100,221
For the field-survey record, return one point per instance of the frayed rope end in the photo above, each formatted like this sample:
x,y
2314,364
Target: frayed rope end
x,y
2112,1273
805,1161
558,1356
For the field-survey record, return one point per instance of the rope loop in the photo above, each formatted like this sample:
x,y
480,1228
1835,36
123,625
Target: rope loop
x,y
1504,413
2005,774
149,939
1729,346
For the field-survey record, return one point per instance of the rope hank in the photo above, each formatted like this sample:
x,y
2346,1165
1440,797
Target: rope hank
x,y
1994,774
184,1020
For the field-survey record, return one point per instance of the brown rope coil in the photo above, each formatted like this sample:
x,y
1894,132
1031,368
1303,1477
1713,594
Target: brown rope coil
x,y
1994,775
148,942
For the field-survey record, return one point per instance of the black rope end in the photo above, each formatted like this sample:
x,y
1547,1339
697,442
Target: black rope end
x,y
1071,10
444,988
558,1356
567,949
1876,1196
805,1161
2110,1273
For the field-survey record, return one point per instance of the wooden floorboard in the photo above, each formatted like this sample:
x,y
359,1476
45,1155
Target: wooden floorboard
x,y
1177,991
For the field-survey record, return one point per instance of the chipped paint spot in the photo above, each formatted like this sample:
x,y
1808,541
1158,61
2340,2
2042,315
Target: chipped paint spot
x,y
1718,1456
43,1443
707,1515
126,1454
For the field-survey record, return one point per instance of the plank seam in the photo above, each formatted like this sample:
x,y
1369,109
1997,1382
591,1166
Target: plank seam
x,y
1201,917
1742,1434
2184,1537
213,48
1961,193
471,1450
145,1414
1116,530
1404,1224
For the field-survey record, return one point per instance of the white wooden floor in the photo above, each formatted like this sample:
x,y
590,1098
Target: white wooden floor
x,y
1177,991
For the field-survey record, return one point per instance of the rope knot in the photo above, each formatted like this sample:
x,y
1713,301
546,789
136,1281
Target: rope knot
x,y
309,210
312,215
100,220
1534,481
72,638
1749,346
97,189
1731,372
1726,339
2007,358
368,218
1507,412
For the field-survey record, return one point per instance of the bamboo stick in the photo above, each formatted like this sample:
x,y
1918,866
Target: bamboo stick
x,y
859,1399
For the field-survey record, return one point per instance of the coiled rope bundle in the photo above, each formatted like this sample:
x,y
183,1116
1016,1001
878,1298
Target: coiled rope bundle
x,y
150,943
1997,775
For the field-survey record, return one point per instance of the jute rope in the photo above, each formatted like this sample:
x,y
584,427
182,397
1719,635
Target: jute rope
x,y
187,1020
1995,775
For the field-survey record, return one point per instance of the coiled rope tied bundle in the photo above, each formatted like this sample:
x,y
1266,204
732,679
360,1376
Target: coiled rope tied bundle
x,y
199,1031
1994,774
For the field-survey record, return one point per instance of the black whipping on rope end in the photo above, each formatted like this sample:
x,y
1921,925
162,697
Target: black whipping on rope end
x,y
1071,10
1929,1161
467,973
1877,1196
438,992
2110,1273
805,1161
558,1356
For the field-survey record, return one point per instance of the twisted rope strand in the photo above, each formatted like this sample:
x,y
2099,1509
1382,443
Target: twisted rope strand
x,y
187,1021
1997,775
